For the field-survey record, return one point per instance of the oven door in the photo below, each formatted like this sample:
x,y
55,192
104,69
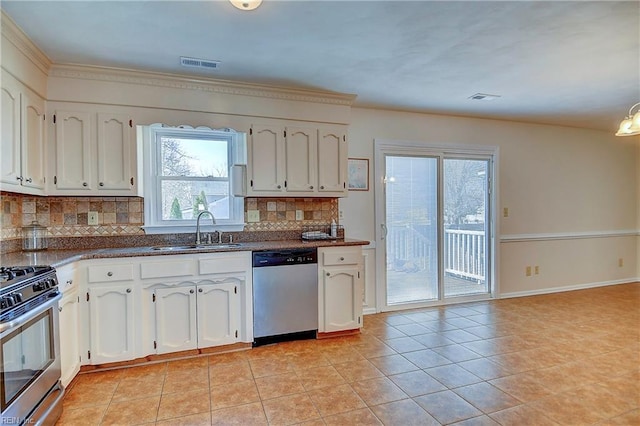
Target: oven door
x,y
29,360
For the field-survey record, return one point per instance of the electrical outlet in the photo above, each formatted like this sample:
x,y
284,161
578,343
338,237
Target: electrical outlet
x,y
505,212
92,218
620,262
253,215
340,215
299,215
536,270
527,271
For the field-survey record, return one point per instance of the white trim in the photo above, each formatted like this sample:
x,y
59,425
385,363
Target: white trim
x,y
177,81
511,238
567,288
369,311
19,39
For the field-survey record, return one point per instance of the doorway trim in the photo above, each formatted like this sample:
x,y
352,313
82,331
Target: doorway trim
x,y
384,147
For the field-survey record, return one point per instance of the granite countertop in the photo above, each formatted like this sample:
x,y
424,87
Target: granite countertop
x,y
57,258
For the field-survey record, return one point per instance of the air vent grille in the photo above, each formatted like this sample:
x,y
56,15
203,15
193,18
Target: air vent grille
x,y
199,63
483,97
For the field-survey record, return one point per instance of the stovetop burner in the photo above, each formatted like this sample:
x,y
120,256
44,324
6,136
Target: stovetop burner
x,y
24,287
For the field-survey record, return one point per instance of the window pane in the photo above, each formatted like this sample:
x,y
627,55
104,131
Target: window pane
x,y
194,157
181,198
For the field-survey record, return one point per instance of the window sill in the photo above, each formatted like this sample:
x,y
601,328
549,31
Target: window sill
x,y
190,229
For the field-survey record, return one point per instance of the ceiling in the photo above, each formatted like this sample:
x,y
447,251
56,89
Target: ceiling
x,y
574,63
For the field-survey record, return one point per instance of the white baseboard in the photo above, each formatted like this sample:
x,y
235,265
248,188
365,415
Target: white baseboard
x,y
566,288
369,311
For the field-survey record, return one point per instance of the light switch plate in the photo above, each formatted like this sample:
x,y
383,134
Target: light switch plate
x,y
253,215
92,218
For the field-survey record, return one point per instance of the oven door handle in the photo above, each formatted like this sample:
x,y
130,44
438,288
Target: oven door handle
x,y
22,319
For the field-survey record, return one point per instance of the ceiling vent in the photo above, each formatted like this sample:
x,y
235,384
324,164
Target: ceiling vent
x,y
483,97
199,63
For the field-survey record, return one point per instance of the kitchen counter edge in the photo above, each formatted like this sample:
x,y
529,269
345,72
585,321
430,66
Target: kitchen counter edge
x,y
58,258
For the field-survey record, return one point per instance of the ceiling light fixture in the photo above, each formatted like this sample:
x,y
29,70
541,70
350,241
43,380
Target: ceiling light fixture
x,y
630,126
246,4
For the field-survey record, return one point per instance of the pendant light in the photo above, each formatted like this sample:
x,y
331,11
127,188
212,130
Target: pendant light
x,y
246,4
630,126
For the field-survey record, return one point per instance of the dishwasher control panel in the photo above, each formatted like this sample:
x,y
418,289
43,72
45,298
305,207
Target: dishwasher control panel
x,y
284,257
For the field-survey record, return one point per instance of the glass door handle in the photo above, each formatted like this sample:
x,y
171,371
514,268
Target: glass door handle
x,y
384,231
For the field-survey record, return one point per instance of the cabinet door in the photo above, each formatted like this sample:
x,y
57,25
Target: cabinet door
x,y
301,159
73,150
69,338
10,132
33,131
112,324
265,160
176,319
115,162
332,161
218,312
341,299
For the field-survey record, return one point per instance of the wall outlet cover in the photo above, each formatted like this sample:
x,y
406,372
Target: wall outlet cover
x,y
299,215
92,218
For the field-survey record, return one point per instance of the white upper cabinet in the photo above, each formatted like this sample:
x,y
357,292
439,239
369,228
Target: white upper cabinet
x,y
95,154
297,161
23,138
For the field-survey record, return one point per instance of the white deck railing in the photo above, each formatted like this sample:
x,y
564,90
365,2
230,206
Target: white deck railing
x,y
464,251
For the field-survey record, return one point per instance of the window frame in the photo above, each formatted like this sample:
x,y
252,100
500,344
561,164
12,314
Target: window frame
x,y
152,178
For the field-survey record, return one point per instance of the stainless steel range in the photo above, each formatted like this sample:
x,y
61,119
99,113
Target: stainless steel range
x,y
30,389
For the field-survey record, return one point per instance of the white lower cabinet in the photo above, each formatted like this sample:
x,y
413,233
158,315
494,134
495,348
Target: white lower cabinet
x,y
340,287
190,316
69,323
112,323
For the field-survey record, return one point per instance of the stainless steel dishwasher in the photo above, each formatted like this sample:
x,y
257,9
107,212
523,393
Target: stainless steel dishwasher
x,y
285,295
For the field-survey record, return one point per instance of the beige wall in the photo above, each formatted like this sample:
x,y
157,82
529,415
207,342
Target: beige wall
x,y
572,195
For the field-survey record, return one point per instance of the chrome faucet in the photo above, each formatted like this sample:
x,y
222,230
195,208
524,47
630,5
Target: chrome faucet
x,y
213,220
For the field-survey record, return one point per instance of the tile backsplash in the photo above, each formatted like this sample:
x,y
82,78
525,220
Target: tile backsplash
x,y
68,216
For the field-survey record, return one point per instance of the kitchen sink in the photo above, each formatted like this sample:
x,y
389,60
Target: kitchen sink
x,y
196,247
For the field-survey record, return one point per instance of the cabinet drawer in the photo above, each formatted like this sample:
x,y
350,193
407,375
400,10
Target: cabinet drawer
x,y
224,264
110,273
167,269
341,257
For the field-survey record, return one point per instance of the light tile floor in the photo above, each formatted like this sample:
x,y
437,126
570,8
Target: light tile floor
x,y
567,358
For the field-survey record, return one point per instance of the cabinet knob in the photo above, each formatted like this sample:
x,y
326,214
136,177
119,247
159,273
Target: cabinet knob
x,y
29,180
311,187
19,178
279,186
128,290
199,290
191,291
101,184
60,309
321,186
84,184
328,274
69,282
341,259
109,274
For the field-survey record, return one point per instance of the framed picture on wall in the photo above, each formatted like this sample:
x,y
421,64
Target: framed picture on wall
x,y
358,169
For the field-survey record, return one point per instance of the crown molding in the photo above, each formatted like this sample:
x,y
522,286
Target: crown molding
x,y
177,81
19,39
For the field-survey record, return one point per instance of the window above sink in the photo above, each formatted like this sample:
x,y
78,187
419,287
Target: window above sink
x,y
186,171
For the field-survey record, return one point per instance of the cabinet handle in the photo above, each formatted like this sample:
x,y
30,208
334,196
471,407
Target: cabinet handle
x,y
101,184
20,178
84,184
199,290
29,180
60,309
109,274
191,291
128,290
69,282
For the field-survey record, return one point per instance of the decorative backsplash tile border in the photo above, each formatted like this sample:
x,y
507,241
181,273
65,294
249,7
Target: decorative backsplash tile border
x,y
120,216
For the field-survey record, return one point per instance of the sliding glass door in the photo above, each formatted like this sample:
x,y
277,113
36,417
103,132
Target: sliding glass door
x,y
433,213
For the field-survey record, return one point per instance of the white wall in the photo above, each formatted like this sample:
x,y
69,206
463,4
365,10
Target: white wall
x,y
572,195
